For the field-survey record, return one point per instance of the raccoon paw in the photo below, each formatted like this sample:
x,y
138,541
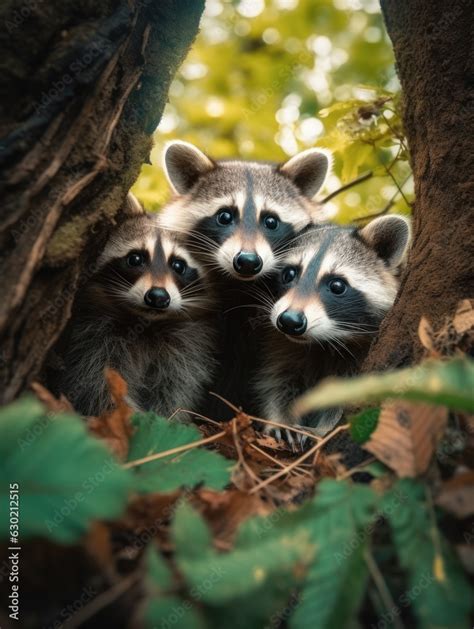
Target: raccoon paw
x,y
295,440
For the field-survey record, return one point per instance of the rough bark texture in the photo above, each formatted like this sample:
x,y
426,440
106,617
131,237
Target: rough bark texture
x,y
83,87
433,44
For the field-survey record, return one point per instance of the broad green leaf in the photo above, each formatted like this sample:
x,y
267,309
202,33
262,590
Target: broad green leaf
x,y
256,561
163,607
196,466
171,611
363,424
437,588
66,478
253,582
340,527
448,383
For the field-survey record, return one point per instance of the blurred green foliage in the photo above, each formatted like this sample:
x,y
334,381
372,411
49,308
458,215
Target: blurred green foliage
x,y
268,78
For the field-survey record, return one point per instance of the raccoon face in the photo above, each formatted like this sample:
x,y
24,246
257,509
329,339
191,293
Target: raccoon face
x,y
338,283
145,270
238,216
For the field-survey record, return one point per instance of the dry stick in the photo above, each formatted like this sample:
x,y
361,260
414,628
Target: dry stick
x,y
286,427
161,455
240,454
207,419
388,206
300,470
305,456
354,470
381,586
99,602
348,185
264,421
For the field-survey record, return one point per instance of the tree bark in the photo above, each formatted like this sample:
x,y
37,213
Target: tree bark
x,y
433,44
83,87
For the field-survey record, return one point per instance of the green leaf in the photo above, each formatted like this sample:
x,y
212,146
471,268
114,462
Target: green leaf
x,y
363,424
196,466
448,383
172,611
245,587
341,515
66,478
437,588
162,607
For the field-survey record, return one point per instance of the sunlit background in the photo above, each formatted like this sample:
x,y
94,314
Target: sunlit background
x,y
268,78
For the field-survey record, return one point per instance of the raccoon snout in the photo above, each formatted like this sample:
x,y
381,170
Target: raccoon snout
x,y
157,298
247,264
292,322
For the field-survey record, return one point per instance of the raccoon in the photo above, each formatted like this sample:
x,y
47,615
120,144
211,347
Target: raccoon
x,y
145,312
237,218
337,284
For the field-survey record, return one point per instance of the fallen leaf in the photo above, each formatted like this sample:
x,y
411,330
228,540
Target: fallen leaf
x,y
463,320
225,511
457,495
114,426
406,436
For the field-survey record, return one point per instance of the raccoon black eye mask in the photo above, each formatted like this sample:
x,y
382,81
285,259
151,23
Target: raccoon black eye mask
x,y
145,313
335,288
239,215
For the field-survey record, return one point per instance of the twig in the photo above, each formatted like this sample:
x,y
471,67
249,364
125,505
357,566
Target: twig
x,y
277,462
348,185
286,427
358,468
207,419
305,456
389,204
100,601
266,421
382,588
162,455
240,454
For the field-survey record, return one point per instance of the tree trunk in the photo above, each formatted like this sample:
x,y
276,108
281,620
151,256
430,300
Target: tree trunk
x,y
83,87
433,46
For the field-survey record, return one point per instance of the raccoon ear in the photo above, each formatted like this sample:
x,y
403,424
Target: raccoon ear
x,y
308,170
389,236
184,163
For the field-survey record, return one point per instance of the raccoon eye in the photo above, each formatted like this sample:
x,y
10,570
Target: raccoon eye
x,y
337,286
271,221
179,266
224,217
289,274
135,259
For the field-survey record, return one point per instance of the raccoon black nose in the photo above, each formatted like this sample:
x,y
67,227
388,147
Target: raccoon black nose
x,y
247,264
292,322
157,298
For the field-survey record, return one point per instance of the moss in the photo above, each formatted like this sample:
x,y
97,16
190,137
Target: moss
x,y
68,241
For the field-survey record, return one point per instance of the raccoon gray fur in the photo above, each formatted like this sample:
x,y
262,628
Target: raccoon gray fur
x,y
144,313
337,284
237,217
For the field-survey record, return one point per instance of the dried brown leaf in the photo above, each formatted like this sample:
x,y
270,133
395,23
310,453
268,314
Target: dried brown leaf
x,y
225,511
406,436
463,320
114,426
457,495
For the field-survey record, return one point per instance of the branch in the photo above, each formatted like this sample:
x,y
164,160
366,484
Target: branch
x,y
346,186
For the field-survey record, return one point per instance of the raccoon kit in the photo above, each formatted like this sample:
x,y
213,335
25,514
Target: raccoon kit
x,y
145,313
237,218
337,284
